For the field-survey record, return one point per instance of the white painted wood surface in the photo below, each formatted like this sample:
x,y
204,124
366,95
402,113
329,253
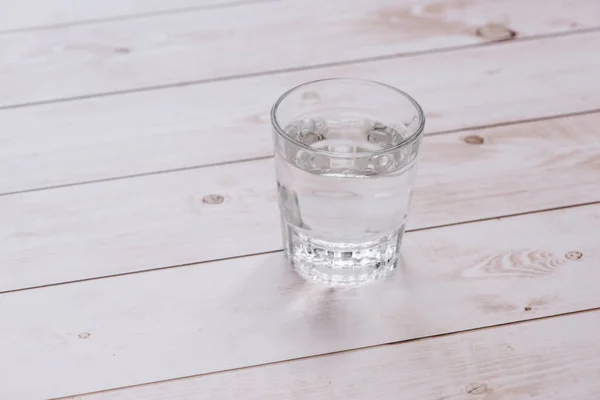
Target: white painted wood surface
x,y
557,358
49,14
226,121
245,311
164,50
180,322
157,221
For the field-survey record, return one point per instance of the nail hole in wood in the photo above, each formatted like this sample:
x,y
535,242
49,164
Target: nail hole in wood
x,y
527,308
474,139
213,199
574,255
497,32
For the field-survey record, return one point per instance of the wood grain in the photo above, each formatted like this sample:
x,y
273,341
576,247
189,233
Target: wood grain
x,y
164,50
101,138
157,221
35,14
159,325
551,359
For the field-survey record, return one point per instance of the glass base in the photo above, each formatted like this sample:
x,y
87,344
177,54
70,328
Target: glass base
x,y
337,263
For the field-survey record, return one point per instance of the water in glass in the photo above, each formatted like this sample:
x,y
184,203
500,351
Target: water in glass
x,y
344,207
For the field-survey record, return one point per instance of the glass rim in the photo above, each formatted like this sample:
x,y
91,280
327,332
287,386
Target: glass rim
x,y
410,139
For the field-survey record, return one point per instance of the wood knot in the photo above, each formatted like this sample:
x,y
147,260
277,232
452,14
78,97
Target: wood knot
x,y
84,335
122,50
311,96
474,139
213,199
524,262
495,32
477,388
574,255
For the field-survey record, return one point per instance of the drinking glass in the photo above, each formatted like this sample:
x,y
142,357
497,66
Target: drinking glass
x,y
345,159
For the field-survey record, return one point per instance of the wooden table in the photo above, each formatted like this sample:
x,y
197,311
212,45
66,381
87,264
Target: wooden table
x,y
139,234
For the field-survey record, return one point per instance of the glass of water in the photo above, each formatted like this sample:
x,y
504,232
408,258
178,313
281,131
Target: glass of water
x,y
345,156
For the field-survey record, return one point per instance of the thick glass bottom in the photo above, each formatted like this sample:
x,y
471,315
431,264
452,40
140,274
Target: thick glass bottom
x,y
336,263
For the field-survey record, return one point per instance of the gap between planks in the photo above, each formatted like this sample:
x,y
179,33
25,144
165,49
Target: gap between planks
x,y
191,264
119,56
271,72
244,160
84,396
134,16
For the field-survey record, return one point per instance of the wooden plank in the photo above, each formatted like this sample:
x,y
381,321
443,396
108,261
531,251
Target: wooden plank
x,y
156,221
35,14
159,325
225,121
551,359
124,55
